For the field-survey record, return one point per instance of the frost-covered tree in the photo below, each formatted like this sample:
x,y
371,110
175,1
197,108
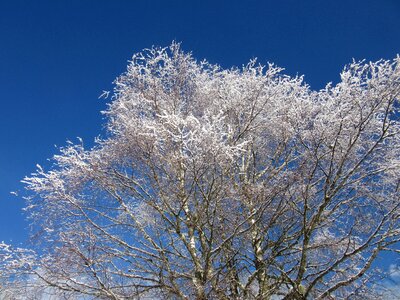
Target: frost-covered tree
x,y
221,184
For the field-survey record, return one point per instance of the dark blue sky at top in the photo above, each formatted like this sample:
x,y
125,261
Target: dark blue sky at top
x,y
56,58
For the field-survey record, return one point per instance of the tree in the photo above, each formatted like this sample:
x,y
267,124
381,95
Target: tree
x,y
222,184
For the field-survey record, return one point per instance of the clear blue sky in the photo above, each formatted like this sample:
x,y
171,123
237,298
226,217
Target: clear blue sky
x,y
57,56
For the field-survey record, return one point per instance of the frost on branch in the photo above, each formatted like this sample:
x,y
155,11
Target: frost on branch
x,y
225,184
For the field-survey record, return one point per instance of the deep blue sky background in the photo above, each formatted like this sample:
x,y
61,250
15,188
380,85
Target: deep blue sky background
x,y
57,56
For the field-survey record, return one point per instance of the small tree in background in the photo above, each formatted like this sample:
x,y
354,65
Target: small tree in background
x,y
221,184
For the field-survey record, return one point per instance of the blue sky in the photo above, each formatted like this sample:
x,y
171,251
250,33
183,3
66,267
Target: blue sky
x,y
56,58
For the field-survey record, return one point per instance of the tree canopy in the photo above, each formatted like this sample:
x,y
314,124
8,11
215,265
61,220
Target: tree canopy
x,y
215,183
